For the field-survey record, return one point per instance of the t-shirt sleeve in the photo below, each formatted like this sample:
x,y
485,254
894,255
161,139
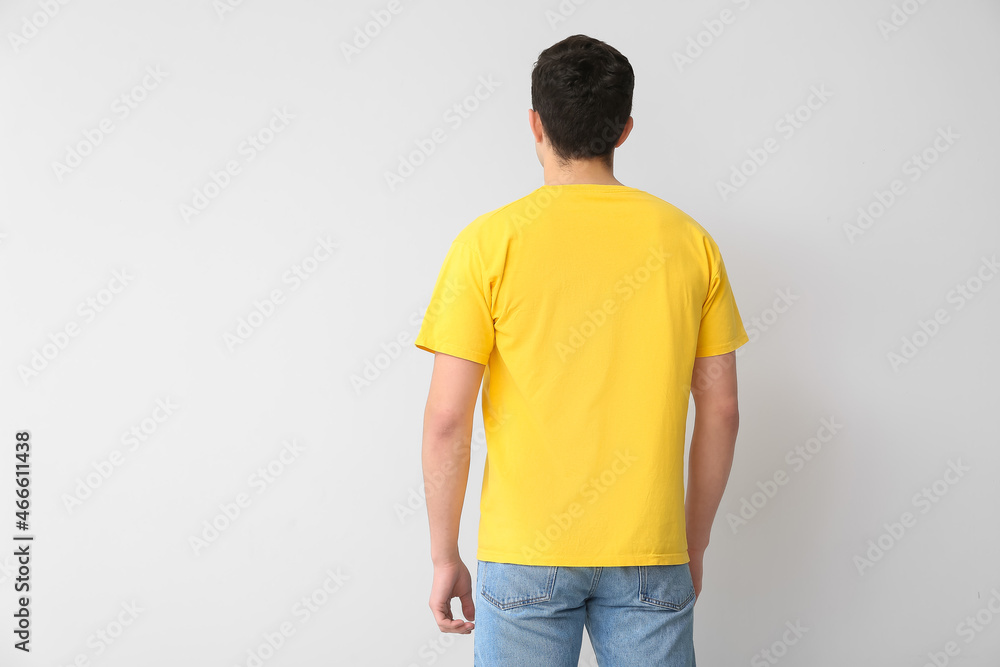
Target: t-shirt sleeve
x,y
459,319
721,327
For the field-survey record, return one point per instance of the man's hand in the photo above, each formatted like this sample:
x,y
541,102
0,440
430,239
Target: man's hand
x,y
452,580
696,564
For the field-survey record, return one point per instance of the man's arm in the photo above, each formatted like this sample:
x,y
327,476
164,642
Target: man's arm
x,y
447,447
447,450
716,422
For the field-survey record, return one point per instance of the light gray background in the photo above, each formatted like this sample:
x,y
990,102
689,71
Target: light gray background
x,y
336,506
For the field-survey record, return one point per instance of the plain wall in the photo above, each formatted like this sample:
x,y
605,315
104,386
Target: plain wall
x,y
197,408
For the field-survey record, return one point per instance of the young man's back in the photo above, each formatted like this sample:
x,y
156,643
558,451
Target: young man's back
x,y
589,304
587,307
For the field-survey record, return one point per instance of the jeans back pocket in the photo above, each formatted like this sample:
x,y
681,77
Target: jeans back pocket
x,y
509,585
667,586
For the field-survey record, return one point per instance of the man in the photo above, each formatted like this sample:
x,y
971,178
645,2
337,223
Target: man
x,y
589,311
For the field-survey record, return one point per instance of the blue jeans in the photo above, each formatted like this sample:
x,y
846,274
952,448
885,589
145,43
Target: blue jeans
x,y
535,615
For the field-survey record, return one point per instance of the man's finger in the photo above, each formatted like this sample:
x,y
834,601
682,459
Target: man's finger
x,y
458,626
468,606
442,612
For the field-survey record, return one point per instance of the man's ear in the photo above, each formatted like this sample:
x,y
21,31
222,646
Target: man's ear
x,y
625,132
535,123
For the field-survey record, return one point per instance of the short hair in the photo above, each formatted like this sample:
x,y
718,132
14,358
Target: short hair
x,y
582,90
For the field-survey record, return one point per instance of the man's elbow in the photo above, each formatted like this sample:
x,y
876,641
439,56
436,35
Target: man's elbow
x,y
723,412
445,422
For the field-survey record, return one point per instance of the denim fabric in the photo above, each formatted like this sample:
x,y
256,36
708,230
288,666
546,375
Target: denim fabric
x,y
535,615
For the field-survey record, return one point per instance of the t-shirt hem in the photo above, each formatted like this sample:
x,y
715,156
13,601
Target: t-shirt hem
x,y
678,558
464,353
724,348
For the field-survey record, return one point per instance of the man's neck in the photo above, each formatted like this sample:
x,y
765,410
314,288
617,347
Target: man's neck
x,y
592,172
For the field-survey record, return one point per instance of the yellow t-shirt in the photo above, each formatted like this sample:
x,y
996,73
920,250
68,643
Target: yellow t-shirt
x,y
588,304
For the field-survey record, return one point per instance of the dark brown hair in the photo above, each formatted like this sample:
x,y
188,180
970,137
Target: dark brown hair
x,y
582,90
